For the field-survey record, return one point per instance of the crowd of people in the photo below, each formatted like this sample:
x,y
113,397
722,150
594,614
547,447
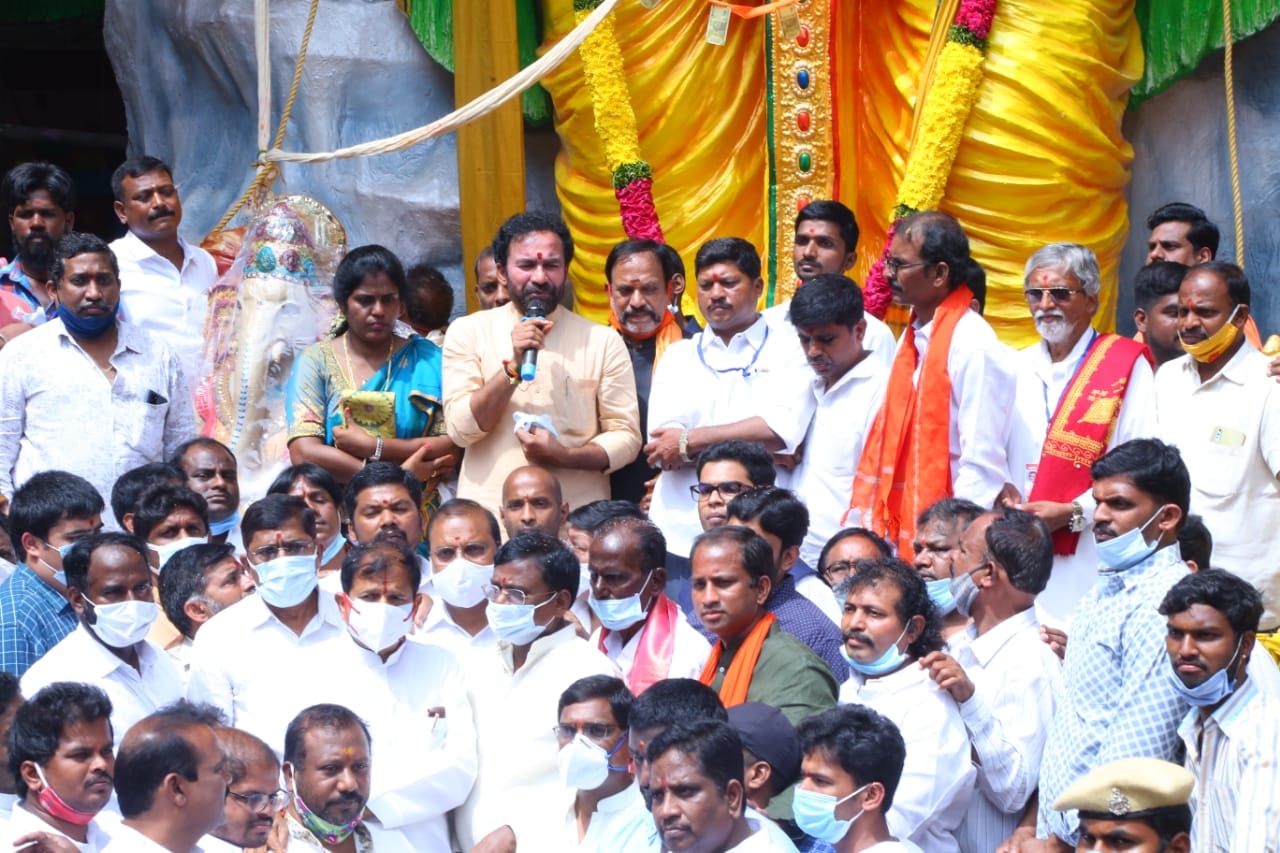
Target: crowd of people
x,y
527,582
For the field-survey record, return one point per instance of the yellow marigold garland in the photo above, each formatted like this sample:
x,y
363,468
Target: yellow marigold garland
x,y
615,121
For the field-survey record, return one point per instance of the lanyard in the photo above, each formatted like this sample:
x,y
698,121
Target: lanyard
x,y
745,371
1044,386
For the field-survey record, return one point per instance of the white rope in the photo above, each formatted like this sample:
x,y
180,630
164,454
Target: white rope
x,y
262,46
481,106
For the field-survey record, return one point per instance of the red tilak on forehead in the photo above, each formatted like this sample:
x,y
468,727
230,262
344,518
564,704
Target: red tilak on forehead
x,y
812,232
503,580
715,278
1191,304
539,255
386,503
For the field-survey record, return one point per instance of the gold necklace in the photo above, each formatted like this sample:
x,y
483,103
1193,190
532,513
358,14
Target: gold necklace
x,y
351,374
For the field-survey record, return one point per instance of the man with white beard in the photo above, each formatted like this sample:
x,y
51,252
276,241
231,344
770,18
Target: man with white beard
x,y
1079,392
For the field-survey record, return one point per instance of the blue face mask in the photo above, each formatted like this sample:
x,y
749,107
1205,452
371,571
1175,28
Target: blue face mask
x,y
619,614
1213,690
86,327
940,595
514,622
887,662
287,581
332,550
58,574
815,814
1128,549
217,528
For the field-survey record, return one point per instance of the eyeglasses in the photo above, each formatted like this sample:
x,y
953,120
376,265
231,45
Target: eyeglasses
x,y
593,731
727,489
262,802
287,549
1057,294
838,570
513,596
893,266
473,551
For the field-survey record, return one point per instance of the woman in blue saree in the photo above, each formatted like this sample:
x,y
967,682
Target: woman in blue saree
x,y
366,393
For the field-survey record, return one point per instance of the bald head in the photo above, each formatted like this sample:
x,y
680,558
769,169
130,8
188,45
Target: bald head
x,y
532,500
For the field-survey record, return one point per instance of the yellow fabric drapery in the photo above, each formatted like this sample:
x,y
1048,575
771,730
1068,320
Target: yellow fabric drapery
x,y
1043,157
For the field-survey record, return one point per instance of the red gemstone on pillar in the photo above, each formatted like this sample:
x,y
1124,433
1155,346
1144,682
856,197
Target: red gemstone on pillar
x,y
802,121
803,38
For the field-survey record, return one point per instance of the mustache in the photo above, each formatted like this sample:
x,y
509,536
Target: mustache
x,y
100,776
159,212
1042,316
865,639
640,312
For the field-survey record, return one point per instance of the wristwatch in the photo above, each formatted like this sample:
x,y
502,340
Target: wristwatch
x,y
1076,524
684,446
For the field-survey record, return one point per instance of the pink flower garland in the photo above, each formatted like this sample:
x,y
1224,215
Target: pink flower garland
x,y
639,216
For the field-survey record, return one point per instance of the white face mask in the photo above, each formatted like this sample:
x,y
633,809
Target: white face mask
x,y
584,765
515,622
461,583
376,625
124,623
287,581
165,552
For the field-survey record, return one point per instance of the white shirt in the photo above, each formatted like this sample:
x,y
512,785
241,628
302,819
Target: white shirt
x,y
1228,431
878,340
247,663
814,588
1015,676
439,629
982,387
700,382
689,652
169,304
518,781
134,693
51,391
620,824
7,802
1233,755
22,822
761,840
213,844
938,777
895,847
842,417
422,766
1040,386
126,839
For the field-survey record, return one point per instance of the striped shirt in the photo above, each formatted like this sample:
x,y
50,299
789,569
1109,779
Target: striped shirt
x,y
1015,677
1117,702
1235,756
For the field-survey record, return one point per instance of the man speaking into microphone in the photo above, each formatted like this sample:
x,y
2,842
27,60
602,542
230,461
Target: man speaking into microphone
x,y
577,416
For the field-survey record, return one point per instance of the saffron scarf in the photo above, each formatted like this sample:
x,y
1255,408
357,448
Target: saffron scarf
x,y
733,690
657,645
667,332
906,461
1082,426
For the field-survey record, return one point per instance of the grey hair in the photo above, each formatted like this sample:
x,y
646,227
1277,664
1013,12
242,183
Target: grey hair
x,y
1078,260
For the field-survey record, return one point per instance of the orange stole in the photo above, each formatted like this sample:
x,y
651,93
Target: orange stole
x,y
906,461
667,333
733,690
1082,426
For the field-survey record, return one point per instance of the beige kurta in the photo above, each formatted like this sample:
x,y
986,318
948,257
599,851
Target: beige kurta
x,y
584,383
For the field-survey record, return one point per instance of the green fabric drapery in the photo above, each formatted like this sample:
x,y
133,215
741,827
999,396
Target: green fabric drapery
x,y
1177,34
432,22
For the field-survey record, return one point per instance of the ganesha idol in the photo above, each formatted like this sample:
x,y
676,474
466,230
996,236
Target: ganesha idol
x,y
272,302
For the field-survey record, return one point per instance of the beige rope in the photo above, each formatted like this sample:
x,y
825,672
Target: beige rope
x,y
1237,202
481,106
268,172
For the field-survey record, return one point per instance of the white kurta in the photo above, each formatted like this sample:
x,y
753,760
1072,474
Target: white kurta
x,y
247,663
938,778
688,655
1228,430
1040,385
982,388
703,382
134,693
422,766
518,780
842,417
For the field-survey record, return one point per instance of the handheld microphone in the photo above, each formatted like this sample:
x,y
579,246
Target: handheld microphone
x,y
529,364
